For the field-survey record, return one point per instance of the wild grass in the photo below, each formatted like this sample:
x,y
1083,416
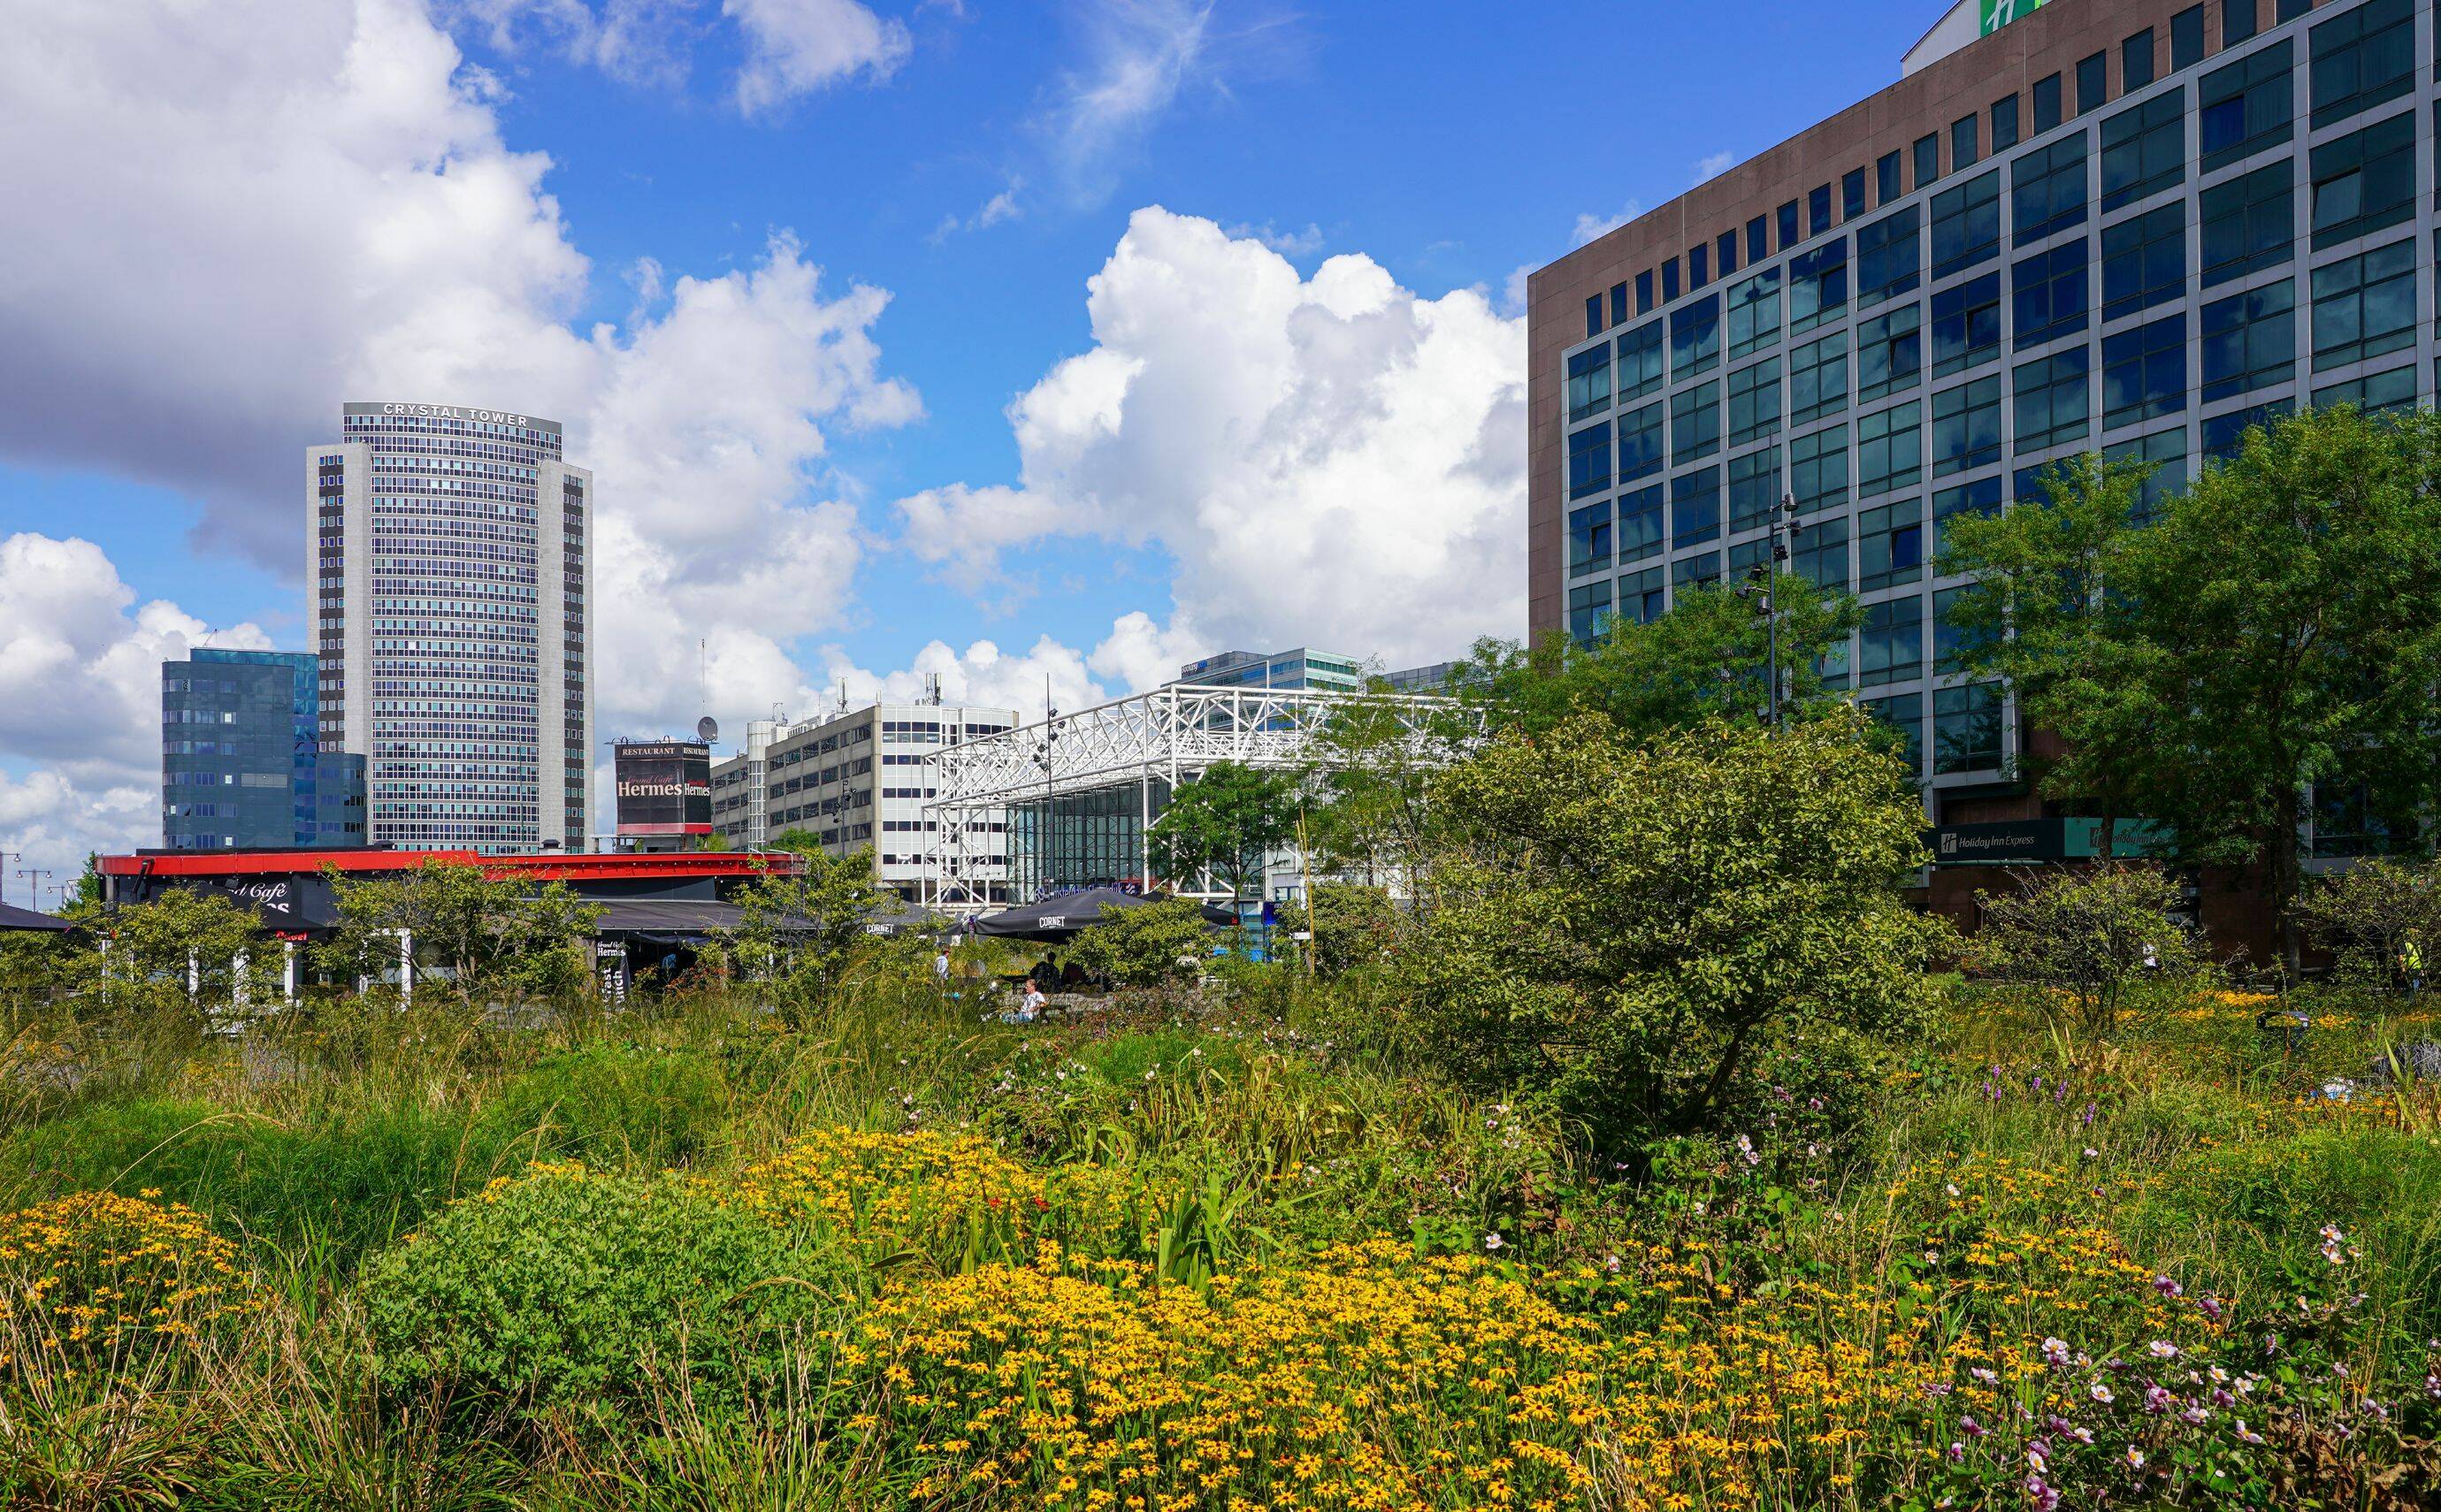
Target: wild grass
x,y
1182,1256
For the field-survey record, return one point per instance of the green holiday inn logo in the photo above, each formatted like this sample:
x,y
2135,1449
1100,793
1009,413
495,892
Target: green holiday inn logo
x,y
1999,13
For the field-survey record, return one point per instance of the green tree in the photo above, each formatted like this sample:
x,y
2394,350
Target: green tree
x,y
2274,628
1225,822
1625,926
1352,926
797,934
1159,942
1373,757
2367,914
1707,657
495,937
184,949
2085,939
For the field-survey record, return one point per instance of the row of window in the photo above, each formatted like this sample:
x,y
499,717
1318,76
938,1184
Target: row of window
x,y
2357,60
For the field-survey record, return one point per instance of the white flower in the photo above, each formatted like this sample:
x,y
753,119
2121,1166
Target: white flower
x,y
2135,1458
2163,1349
2101,1393
1492,1241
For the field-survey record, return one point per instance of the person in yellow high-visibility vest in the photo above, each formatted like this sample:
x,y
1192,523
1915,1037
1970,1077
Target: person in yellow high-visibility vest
x,y
2410,964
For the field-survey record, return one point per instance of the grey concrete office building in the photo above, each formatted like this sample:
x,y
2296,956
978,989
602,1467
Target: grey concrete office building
x,y
2134,227
857,780
450,553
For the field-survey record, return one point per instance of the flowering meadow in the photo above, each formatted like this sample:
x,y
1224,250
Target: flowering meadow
x,y
1226,1251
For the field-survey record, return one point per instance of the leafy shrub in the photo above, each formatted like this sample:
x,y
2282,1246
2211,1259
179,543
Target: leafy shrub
x,y
1353,926
565,1285
1145,946
609,1103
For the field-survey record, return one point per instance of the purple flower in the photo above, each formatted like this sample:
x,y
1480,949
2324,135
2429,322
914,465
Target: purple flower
x,y
2041,1496
2089,1115
1971,1428
2157,1401
1957,1452
2168,1286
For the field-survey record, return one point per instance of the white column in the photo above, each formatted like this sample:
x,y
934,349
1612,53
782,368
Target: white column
x,y
236,978
194,976
406,966
288,970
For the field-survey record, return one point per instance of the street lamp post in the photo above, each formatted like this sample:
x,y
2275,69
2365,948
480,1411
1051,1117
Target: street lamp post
x,y
6,857
1044,749
1763,585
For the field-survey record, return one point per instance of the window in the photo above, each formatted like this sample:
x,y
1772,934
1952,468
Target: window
x,y
2245,107
2166,451
1692,572
2249,341
1964,147
1789,235
2052,400
1983,497
2135,62
1851,194
1668,279
1640,596
1966,224
1817,379
1888,257
2225,435
1696,422
1818,469
1644,292
1639,362
1889,546
1818,285
1967,426
2236,21
1640,525
2144,150
1695,338
2362,58
2187,38
1593,315
2289,9
1893,643
1819,553
2249,223
1725,246
1965,325
1589,539
1639,442
1754,488
1754,312
2046,188
1589,611
1889,449
2364,181
2145,372
2375,394
1695,506
1754,402
1588,383
1903,713
2364,305
2004,124
2092,82
1890,181
2051,295
1927,159
1758,238
1889,352
1588,460
1699,272
1818,209
2047,103
1968,732
2143,261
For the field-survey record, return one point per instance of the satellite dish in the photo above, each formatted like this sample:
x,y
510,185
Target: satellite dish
x,y
707,730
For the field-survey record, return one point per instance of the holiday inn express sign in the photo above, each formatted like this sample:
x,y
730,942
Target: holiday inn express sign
x,y
1999,13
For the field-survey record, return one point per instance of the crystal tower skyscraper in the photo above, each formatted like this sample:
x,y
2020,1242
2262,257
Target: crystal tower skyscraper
x,y
450,554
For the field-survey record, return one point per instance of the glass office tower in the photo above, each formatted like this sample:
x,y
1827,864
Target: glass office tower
x,y
2131,228
242,758
450,552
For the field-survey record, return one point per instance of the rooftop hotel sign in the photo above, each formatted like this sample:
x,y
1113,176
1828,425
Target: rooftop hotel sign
x,y
1999,13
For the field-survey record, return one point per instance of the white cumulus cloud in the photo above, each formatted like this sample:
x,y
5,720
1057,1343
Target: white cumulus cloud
x,y
1334,461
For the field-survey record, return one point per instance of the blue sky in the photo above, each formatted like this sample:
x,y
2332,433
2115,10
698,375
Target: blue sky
x,y
245,234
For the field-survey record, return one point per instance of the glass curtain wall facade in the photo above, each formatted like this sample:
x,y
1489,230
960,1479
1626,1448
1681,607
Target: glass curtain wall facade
x,y
1096,839
450,552
2230,238
241,760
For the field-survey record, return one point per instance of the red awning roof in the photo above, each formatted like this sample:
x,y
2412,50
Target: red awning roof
x,y
546,866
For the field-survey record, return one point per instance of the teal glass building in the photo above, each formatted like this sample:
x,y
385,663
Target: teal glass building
x,y
241,760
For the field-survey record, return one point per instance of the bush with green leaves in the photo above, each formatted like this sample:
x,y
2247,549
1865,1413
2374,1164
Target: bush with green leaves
x,y
1626,930
616,1105
1353,926
2380,918
567,1286
1160,941
2091,942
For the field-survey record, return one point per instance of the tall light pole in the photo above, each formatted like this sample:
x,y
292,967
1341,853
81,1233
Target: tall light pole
x,y
1763,585
1043,751
34,875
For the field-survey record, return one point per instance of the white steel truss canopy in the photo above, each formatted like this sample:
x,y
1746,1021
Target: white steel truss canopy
x,y
1172,734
